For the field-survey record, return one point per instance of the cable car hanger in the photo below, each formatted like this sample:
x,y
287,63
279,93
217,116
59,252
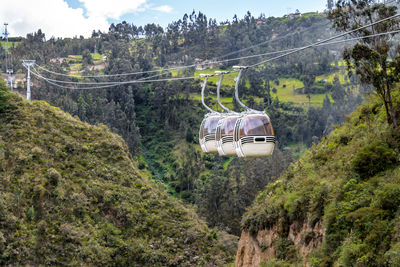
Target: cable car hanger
x,y
203,88
237,80
219,84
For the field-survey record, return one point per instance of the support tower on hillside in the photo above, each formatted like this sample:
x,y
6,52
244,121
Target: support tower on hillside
x,y
28,64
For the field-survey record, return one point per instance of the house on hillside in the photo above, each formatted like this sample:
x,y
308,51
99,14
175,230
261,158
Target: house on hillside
x,y
295,15
207,64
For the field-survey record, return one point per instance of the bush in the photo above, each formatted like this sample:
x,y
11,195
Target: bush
x,y
373,158
392,256
4,97
54,176
389,198
285,249
352,254
189,135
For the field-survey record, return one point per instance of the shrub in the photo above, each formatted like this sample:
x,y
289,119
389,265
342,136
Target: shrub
x,y
189,135
389,198
285,249
373,158
392,256
54,176
352,254
4,97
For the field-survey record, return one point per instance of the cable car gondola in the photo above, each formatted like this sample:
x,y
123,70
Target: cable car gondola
x,y
208,125
253,134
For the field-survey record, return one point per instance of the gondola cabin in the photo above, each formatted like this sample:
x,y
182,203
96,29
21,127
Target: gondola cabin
x,y
224,135
207,131
254,136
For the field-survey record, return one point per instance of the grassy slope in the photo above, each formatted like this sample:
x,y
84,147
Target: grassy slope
x,y
71,194
350,182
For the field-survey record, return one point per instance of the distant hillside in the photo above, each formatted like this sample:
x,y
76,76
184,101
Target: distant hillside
x,y
337,206
71,195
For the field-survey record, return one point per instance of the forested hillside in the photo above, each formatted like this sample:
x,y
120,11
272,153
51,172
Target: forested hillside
x,y
304,95
72,195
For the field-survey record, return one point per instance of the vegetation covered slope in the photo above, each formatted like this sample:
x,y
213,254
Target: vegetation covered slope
x,y
71,195
350,183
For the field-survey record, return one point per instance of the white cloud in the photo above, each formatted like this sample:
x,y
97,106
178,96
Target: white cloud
x,y
111,8
164,8
56,18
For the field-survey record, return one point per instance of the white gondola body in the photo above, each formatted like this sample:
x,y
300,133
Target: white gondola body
x,y
255,140
207,133
224,135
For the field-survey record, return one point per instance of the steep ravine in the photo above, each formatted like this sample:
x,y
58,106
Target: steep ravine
x,y
337,206
255,249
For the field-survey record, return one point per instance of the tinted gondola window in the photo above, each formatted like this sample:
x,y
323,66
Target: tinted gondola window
x,y
228,126
201,132
211,125
256,126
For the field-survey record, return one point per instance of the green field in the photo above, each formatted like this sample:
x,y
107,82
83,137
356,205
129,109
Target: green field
x,y
329,77
10,44
76,67
285,92
96,56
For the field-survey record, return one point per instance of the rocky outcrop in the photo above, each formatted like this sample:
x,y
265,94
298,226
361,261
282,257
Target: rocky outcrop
x,y
258,248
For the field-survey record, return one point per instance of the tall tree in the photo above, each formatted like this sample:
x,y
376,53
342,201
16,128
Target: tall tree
x,y
375,60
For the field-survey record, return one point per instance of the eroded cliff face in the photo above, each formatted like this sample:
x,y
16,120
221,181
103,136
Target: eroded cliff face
x,y
258,248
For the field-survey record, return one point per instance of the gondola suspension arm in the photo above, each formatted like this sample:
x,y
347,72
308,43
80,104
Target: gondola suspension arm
x,y
219,84
237,80
202,91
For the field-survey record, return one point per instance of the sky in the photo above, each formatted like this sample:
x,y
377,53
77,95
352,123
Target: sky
x,y
69,18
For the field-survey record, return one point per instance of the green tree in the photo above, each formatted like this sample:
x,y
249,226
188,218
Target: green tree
x,y
371,58
87,57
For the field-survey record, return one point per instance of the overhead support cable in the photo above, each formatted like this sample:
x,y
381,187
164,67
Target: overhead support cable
x,y
112,85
